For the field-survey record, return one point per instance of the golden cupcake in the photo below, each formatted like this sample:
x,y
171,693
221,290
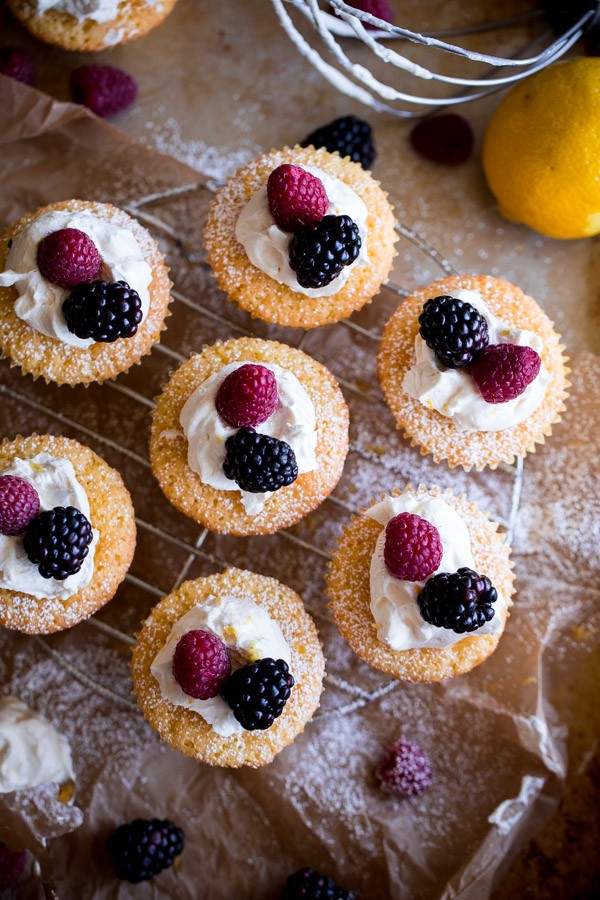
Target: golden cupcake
x,y
301,237
420,585
67,533
249,436
229,668
473,371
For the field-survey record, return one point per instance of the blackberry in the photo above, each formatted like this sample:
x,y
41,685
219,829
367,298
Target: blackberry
x,y
306,884
461,601
143,848
257,693
454,330
350,136
319,251
58,541
103,311
258,462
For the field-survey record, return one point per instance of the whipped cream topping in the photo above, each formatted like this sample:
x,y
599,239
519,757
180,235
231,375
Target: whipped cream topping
x,y
293,421
32,752
97,10
267,246
57,485
40,302
249,634
454,394
394,602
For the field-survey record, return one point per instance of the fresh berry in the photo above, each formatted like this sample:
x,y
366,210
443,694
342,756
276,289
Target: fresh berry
x,y
446,139
19,504
349,136
143,848
68,257
413,549
12,866
296,197
381,9
503,371
320,251
258,462
454,330
404,770
106,90
258,692
200,664
59,541
461,601
306,884
248,396
103,311
17,63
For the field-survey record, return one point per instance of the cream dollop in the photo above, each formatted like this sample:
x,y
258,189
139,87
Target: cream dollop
x,y
57,485
40,302
293,421
394,602
249,634
97,10
453,393
32,752
267,246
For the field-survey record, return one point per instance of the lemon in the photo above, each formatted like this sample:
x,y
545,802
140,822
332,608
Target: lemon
x,y
541,152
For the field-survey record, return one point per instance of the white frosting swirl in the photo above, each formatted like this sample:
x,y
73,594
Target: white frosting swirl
x,y
453,393
293,421
394,602
57,485
267,246
249,634
40,302
32,752
96,10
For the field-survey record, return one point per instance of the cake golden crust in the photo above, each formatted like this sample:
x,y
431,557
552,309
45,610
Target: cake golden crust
x,y
111,514
222,511
350,595
262,296
187,730
436,434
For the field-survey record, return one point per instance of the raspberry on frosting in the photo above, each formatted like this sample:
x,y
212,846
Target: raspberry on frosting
x,y
248,396
404,770
381,9
296,197
19,504
413,548
503,371
106,90
68,257
200,664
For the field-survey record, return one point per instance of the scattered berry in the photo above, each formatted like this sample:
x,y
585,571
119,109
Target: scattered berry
x,y
320,251
296,197
381,9
19,504
349,136
404,770
12,866
413,549
58,540
454,330
68,257
103,310
143,848
503,371
258,692
248,396
446,139
306,884
17,63
106,90
200,664
461,601
258,462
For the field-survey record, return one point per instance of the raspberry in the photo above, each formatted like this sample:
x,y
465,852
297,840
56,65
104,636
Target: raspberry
x,y
404,770
454,330
306,884
19,504
200,664
503,371
16,63
58,540
258,462
413,549
446,139
248,396
106,90
381,9
348,136
12,866
460,601
320,251
143,848
68,257
295,197
104,311
258,692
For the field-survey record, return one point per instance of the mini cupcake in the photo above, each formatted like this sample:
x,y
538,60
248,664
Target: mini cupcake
x,y
84,292
473,371
420,585
301,237
249,436
67,533
229,669
90,24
